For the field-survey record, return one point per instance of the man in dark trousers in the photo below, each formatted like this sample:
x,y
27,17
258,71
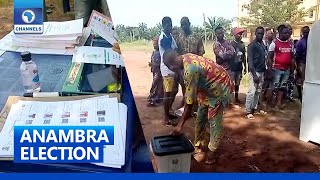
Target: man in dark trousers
x,y
257,53
301,57
238,63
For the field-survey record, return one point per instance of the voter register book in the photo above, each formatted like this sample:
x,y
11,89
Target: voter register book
x,y
94,111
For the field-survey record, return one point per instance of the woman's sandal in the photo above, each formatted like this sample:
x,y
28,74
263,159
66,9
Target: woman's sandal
x,y
199,155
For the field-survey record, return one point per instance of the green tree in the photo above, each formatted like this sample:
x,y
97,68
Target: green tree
x,y
214,22
271,13
142,31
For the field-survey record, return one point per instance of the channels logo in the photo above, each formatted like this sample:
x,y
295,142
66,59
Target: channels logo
x,y
28,17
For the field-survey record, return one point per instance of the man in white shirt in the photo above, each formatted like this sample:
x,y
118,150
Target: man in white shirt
x,y
170,85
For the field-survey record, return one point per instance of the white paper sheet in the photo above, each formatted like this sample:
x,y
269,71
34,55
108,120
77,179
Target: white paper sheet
x,y
58,29
7,45
103,26
97,55
101,111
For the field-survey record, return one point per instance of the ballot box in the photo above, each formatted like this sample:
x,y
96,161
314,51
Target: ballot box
x,y
172,153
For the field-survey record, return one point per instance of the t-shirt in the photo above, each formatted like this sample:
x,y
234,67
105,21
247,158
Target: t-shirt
x,y
189,44
224,52
301,50
205,81
240,49
283,54
165,71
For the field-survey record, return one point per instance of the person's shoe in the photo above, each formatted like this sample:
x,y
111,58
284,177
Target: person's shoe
x,y
151,104
250,116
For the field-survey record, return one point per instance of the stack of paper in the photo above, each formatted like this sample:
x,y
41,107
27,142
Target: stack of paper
x,y
56,35
97,111
57,38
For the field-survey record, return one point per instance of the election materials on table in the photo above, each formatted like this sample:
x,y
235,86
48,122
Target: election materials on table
x,y
97,55
103,26
95,111
57,38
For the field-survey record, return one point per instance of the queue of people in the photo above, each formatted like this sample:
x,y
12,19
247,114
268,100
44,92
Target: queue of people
x,y
212,86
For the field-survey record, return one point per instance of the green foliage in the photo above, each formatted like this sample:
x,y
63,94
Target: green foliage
x,y
214,22
4,3
142,32
271,13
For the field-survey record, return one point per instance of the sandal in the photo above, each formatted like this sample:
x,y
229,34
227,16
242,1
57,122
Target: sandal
x,y
170,123
199,155
262,112
250,116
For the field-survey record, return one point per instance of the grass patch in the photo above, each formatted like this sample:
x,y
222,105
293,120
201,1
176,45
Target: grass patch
x,y
5,3
145,46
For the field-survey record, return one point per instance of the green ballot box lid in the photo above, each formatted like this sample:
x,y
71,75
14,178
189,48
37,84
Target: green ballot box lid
x,y
169,145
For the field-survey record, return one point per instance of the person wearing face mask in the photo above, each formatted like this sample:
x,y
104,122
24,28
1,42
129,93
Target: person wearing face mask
x,y
301,56
208,85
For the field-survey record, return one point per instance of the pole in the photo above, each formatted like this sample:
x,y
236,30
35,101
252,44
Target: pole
x,y
317,10
205,30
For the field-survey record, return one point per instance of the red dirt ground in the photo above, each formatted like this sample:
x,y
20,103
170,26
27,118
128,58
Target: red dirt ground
x,y
268,144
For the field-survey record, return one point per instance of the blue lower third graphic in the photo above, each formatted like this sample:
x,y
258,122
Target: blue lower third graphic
x,y
61,144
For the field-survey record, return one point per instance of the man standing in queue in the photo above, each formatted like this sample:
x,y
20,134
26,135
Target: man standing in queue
x,y
257,53
170,84
209,85
224,53
280,65
239,62
188,43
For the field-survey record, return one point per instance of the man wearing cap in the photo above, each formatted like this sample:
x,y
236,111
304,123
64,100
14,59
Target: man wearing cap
x,y
236,66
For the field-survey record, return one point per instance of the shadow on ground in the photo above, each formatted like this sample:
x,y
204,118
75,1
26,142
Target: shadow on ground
x,y
267,144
